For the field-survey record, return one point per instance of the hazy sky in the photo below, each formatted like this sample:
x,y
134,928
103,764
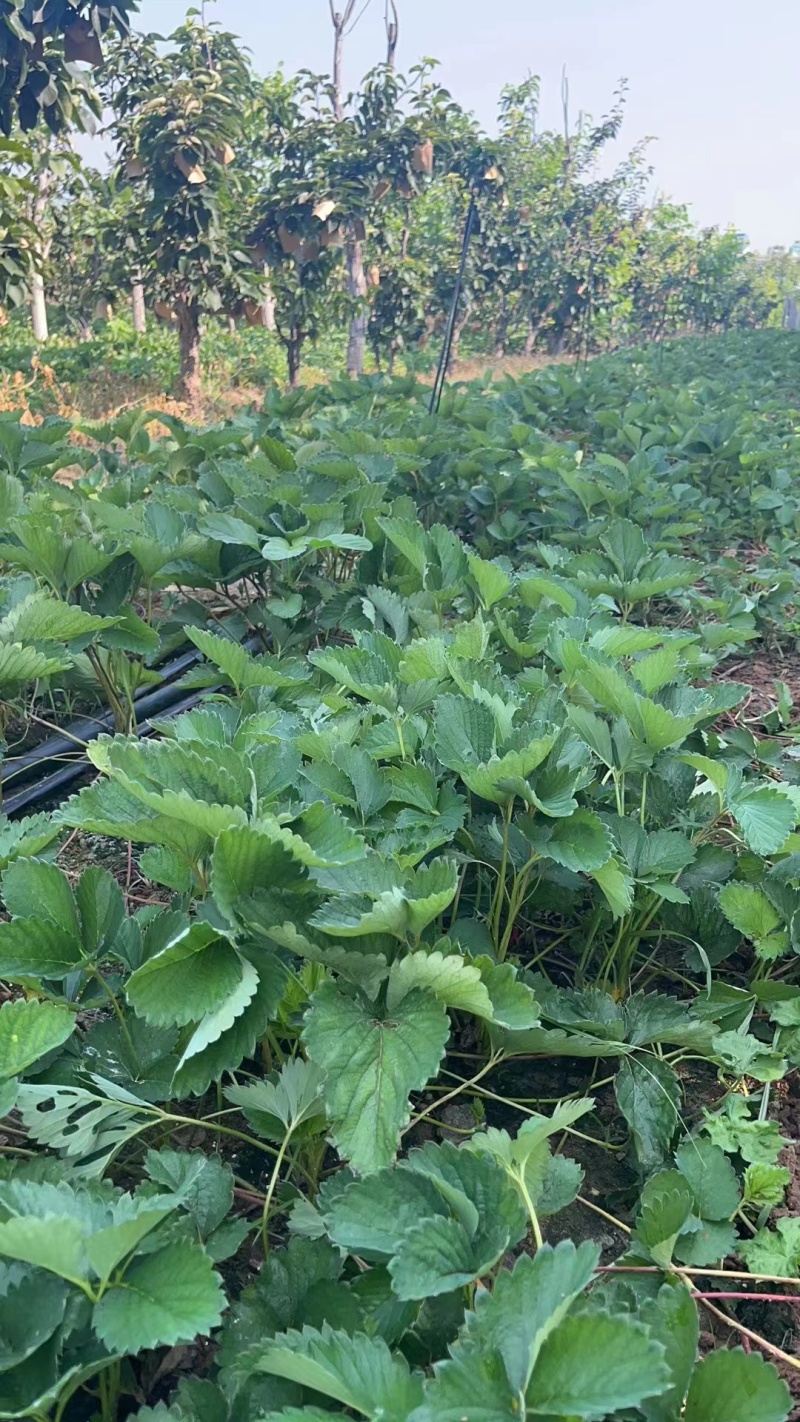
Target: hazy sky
x,y
714,82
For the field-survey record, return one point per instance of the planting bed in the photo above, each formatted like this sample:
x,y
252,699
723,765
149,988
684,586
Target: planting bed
x,y
401,902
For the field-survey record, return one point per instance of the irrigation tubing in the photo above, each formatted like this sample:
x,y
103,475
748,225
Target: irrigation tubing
x,y
86,728
167,699
447,348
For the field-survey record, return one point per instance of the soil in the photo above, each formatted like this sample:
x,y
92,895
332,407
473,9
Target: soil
x,y
760,669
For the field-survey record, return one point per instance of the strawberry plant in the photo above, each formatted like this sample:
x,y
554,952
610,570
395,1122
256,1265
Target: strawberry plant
x,y
459,880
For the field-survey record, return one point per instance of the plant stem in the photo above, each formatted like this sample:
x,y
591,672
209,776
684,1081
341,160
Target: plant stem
x,y
493,1061
754,1337
604,1214
273,1181
532,1215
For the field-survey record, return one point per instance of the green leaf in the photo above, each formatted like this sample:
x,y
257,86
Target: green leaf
x,y
163,1298
528,1303
766,818
464,732
203,1184
55,1243
580,842
106,1248
408,537
216,1023
19,665
30,1312
774,1251
745,1055
594,731
765,1185
35,948
649,1096
101,907
478,1219
371,1064
733,1386
594,1364
748,910
28,1030
492,581
33,889
405,908
672,1320
665,1212
273,1107
513,1003
227,1050
711,1177
448,976
617,886
300,1283
734,1129
194,974
358,1372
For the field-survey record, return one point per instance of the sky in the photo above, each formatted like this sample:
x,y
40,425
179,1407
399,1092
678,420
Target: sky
x,y
714,83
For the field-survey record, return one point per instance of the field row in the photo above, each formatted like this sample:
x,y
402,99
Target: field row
x,y
401,889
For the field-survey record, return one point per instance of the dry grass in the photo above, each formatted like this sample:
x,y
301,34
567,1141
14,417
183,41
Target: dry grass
x,y
106,394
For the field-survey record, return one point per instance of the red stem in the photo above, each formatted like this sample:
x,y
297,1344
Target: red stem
x,y
760,1298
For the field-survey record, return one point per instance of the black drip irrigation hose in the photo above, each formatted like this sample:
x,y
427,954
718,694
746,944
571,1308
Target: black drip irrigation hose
x,y
447,348
168,699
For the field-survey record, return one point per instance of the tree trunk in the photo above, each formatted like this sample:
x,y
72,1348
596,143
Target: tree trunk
x,y
458,331
357,290
189,380
392,33
38,308
269,301
502,330
294,346
231,325
38,212
530,339
138,308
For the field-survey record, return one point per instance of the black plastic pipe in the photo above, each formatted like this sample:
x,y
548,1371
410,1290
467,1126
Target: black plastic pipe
x,y
87,728
169,698
26,799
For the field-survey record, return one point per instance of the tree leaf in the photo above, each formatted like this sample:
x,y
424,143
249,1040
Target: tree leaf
x,y
371,1064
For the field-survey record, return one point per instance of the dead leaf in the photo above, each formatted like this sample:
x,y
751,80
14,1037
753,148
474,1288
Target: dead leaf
x,y
422,158
81,44
191,170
